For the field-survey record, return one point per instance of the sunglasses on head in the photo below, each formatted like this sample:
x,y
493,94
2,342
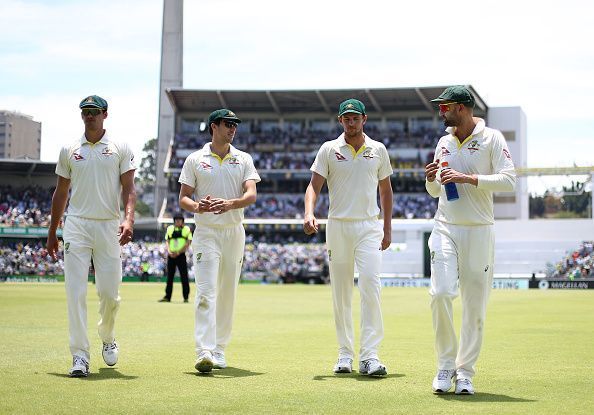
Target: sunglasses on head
x,y
230,124
91,111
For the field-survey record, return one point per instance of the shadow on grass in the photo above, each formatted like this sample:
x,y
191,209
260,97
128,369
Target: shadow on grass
x,y
103,374
482,397
228,372
358,377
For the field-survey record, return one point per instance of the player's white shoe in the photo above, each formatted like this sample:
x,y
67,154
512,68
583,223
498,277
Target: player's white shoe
x,y
343,365
218,360
80,367
204,363
110,353
372,367
442,382
464,387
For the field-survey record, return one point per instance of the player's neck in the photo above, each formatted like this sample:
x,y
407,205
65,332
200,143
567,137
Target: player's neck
x,y
465,129
93,136
355,141
219,149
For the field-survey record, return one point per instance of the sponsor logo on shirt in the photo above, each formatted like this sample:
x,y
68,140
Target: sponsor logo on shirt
x,y
67,247
233,160
445,152
473,146
77,157
339,156
205,166
107,151
198,256
506,152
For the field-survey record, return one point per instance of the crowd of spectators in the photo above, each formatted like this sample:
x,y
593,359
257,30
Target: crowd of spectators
x,y
577,264
291,206
25,206
266,262
278,263
295,147
29,258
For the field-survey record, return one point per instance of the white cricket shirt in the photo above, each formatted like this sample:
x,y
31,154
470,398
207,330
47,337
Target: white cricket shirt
x,y
210,175
352,177
485,154
94,171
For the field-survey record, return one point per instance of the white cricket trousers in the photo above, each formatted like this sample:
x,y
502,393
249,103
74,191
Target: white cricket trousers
x,y
460,256
85,239
218,257
359,242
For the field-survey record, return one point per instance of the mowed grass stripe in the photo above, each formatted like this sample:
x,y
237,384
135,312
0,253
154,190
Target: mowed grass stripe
x,y
536,356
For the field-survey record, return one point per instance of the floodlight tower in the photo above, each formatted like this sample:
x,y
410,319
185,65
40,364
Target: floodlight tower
x,y
172,54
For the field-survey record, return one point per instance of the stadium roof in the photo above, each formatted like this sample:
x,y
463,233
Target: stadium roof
x,y
27,167
285,102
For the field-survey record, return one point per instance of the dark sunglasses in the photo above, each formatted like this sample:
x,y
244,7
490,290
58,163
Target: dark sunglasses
x,y
230,124
91,111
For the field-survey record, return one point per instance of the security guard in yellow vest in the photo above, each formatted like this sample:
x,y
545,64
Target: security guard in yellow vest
x,y
178,237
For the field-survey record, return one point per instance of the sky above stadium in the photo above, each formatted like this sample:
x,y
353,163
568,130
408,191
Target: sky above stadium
x,y
538,57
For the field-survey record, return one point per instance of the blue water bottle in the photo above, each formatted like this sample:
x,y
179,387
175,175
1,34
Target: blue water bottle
x,y
450,188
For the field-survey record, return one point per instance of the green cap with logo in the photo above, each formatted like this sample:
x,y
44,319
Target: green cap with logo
x,y
94,101
456,93
223,114
351,105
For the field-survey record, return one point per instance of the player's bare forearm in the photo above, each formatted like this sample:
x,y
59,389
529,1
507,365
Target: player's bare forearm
x,y
128,195
59,200
126,229
187,203
386,201
310,223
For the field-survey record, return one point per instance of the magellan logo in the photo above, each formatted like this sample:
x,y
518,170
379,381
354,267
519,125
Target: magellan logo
x,y
445,152
205,166
77,157
339,156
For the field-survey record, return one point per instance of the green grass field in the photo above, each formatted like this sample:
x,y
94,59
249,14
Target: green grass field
x,y
538,356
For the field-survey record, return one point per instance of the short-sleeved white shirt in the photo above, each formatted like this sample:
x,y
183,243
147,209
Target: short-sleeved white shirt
x,y
352,177
94,171
223,178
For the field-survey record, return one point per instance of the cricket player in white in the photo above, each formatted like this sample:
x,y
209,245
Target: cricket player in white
x,y
354,165
462,241
97,170
217,183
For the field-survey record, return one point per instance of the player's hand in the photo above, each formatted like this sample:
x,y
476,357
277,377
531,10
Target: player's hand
x,y
386,240
431,170
52,245
310,225
126,232
218,206
452,176
204,204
